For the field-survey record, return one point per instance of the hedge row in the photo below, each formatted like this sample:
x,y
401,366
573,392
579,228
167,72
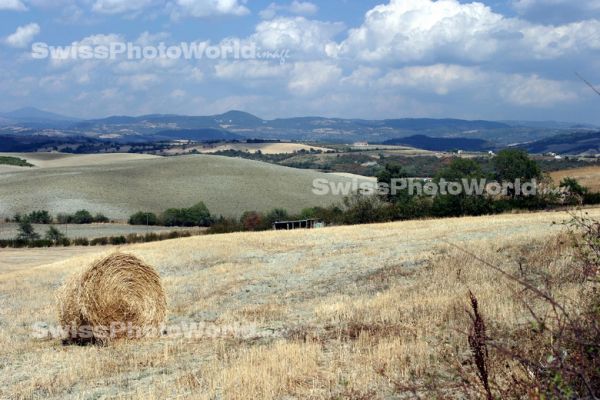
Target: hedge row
x,y
102,241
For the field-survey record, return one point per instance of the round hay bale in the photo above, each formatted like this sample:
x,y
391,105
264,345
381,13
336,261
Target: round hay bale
x,y
116,297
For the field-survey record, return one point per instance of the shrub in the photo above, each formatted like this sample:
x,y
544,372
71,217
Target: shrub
x,y
82,217
118,240
361,209
40,217
277,214
101,218
197,215
62,218
251,220
143,218
103,241
591,198
225,225
81,242
54,235
26,231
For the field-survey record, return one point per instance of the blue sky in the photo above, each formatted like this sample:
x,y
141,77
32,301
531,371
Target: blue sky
x,y
511,59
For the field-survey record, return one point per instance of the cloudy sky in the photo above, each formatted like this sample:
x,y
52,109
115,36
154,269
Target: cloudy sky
x,y
495,59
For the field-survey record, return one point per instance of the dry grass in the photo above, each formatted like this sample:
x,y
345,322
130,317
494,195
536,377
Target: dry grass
x,y
587,176
351,312
58,160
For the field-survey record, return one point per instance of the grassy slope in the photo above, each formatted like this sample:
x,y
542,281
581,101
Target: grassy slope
x,y
308,293
54,160
587,176
228,186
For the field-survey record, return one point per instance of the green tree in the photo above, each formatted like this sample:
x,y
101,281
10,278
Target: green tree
x,y
101,218
83,217
277,214
197,215
513,164
26,230
462,170
54,235
40,217
143,218
363,209
577,193
392,172
200,215
574,186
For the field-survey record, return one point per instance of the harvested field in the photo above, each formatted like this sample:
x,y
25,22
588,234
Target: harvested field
x,y
301,314
588,176
57,160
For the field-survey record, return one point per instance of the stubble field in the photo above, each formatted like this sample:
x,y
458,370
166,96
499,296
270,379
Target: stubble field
x,y
344,312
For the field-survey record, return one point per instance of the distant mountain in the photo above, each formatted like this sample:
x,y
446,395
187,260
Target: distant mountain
x,y
152,127
31,114
574,143
239,118
428,124
551,125
441,144
198,135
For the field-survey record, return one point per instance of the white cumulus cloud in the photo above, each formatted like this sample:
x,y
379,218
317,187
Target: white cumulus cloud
x,y
440,79
310,77
120,6
207,8
23,35
534,91
14,5
417,31
298,34
251,69
295,7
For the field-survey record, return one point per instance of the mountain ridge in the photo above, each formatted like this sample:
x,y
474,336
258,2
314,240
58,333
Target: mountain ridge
x,y
236,123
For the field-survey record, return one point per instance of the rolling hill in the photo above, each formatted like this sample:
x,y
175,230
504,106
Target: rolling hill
x,y
120,187
199,135
310,128
572,144
441,144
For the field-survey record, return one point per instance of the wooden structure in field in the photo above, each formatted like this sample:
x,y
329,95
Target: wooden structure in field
x,y
300,224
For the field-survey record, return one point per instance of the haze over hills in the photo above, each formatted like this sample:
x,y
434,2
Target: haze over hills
x,y
569,143
239,125
441,144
